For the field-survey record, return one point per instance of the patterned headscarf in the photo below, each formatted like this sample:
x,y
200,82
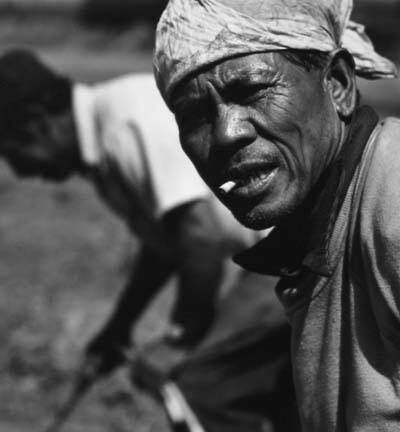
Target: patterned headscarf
x,y
192,34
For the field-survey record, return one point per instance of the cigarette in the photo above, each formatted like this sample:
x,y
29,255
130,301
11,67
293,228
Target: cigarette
x,y
227,187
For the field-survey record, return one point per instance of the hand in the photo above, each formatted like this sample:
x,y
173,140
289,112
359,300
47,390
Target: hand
x,y
105,352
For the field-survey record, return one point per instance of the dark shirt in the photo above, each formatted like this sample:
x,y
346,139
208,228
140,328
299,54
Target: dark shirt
x,y
301,242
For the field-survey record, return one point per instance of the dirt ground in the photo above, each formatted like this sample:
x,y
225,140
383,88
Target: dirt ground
x,y
64,257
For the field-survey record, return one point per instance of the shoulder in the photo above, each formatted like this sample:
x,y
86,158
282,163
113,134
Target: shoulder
x,y
376,261
379,206
387,142
131,83
381,188
129,96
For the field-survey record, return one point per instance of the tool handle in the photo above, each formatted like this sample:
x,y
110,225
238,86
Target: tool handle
x,y
83,381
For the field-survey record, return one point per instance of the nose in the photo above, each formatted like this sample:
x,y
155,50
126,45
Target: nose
x,y
232,128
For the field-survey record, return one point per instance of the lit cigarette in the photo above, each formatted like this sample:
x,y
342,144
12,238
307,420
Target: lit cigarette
x,y
227,187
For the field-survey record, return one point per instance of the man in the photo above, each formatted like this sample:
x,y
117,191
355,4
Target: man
x,y
265,98
120,136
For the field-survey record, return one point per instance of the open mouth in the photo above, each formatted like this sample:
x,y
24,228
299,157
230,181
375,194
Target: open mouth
x,y
248,181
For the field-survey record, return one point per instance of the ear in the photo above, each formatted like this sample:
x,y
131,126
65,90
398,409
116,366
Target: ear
x,y
341,82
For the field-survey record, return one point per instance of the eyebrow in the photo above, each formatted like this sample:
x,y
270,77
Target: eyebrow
x,y
184,100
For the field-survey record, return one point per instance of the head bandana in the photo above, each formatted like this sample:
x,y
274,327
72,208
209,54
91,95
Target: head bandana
x,y
193,34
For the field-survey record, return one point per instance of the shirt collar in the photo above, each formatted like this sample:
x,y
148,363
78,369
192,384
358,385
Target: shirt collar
x,y
84,116
303,241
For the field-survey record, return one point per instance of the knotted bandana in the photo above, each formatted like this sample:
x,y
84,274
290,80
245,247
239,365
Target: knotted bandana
x,y
192,34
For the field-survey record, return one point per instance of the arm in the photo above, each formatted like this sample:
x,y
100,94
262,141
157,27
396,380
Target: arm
x,y
200,259
150,272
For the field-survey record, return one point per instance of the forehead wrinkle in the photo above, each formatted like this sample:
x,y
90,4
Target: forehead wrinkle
x,y
227,74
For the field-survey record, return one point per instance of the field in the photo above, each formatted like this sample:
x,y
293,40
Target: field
x,y
64,256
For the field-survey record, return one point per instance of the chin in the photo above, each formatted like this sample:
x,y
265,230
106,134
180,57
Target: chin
x,y
55,177
54,174
256,220
23,172
266,214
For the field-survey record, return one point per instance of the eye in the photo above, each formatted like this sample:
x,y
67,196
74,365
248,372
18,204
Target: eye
x,y
192,114
245,94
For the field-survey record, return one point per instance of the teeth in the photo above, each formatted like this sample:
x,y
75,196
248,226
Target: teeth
x,y
227,187
258,177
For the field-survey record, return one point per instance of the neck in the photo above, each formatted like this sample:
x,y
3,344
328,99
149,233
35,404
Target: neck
x,y
344,133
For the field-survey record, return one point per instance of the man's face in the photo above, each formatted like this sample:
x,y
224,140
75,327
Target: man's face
x,y
38,148
262,128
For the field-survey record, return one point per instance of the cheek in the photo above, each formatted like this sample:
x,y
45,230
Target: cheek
x,y
283,120
302,115
196,146
321,132
285,115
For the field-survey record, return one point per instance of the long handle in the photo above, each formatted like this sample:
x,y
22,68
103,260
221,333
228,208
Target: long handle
x,y
87,375
84,380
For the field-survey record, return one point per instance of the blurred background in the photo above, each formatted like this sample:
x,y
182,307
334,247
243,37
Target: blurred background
x,y
64,256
